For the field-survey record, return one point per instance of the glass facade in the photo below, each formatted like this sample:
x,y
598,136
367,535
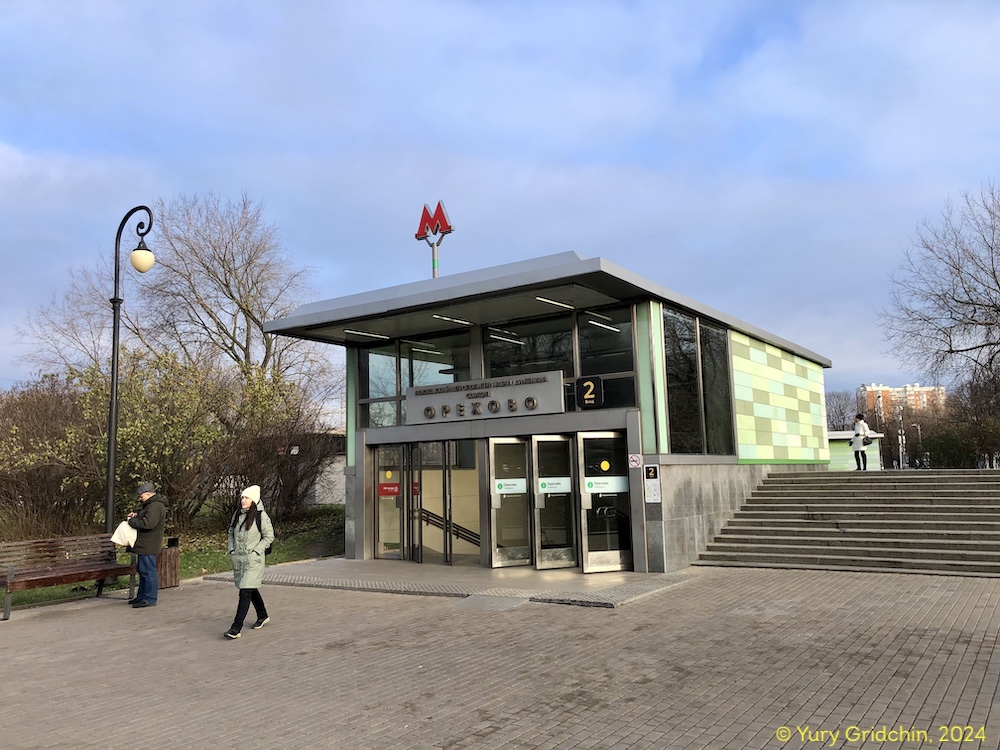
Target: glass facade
x,y
386,371
717,391
680,334
530,346
606,342
699,388
434,361
606,349
601,341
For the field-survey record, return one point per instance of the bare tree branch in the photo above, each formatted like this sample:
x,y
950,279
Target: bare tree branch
x,y
944,311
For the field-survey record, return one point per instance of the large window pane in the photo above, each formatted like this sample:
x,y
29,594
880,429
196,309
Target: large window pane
x,y
606,341
378,414
378,372
537,346
717,392
435,361
619,393
680,335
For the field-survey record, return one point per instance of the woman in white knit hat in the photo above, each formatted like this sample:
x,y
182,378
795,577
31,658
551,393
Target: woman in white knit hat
x,y
250,534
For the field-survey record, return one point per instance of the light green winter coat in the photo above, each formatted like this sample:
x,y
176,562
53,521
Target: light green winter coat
x,y
246,548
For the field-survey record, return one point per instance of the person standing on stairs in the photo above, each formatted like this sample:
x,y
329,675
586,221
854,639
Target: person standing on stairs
x,y
861,433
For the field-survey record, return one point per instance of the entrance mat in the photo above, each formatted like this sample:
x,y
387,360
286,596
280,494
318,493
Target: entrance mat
x,y
612,596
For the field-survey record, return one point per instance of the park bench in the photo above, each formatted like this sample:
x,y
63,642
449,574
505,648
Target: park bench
x,y
37,563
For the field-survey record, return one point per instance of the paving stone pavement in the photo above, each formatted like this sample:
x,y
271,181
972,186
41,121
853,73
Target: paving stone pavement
x,y
725,658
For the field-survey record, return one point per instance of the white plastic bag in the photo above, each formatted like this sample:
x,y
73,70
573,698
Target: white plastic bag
x,y
124,535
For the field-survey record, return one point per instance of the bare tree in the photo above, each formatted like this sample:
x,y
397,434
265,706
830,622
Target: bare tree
x,y
72,330
944,314
223,273
841,406
220,273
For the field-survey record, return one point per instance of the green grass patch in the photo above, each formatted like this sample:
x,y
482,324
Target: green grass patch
x,y
318,533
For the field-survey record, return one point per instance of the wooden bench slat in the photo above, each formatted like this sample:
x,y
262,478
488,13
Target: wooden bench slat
x,y
26,573
56,578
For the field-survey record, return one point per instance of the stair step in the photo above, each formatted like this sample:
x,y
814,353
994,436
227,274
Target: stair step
x,y
857,560
802,547
847,567
903,496
861,513
930,532
906,525
923,475
883,480
848,539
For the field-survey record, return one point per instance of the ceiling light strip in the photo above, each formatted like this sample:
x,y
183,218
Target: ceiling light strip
x,y
548,301
503,338
366,333
604,325
452,320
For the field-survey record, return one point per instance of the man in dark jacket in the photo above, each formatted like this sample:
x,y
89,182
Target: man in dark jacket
x,y
148,522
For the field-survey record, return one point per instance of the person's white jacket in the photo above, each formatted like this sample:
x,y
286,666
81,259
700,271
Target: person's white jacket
x,y
861,431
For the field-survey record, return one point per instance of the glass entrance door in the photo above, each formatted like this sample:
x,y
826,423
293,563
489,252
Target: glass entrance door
x,y
429,512
427,502
606,526
389,502
510,509
554,499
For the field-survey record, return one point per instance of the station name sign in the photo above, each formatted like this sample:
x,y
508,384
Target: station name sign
x,y
515,396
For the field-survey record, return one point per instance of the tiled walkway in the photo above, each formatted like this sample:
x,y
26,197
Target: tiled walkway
x,y
395,577
719,658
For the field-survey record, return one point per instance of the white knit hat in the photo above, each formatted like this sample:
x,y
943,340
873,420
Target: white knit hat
x,y
252,492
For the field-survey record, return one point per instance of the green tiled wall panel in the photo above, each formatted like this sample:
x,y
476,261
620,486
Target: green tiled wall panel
x,y
780,414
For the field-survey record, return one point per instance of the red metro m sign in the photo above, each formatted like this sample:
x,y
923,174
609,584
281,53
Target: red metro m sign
x,y
437,224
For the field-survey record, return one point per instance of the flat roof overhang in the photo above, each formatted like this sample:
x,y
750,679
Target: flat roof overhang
x,y
492,297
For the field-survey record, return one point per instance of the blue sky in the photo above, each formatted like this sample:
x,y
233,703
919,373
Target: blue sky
x,y
770,159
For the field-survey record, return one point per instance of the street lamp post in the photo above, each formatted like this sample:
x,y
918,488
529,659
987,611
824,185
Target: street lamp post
x,y
902,441
920,443
142,260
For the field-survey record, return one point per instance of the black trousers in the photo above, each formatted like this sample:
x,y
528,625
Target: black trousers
x,y
861,459
248,597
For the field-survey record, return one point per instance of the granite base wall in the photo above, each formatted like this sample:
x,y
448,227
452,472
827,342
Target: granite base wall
x,y
698,500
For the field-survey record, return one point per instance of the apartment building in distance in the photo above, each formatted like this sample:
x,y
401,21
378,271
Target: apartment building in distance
x,y
884,400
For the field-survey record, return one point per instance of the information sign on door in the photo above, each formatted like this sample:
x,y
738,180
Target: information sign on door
x,y
605,484
555,484
516,486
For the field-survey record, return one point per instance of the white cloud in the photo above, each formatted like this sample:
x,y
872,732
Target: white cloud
x,y
760,158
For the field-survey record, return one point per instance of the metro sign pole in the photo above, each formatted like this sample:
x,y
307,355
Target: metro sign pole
x,y
436,224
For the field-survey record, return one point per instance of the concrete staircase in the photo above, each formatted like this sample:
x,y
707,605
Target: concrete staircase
x,y
939,521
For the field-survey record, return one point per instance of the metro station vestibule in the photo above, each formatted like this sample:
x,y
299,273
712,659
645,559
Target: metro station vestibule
x,y
558,412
